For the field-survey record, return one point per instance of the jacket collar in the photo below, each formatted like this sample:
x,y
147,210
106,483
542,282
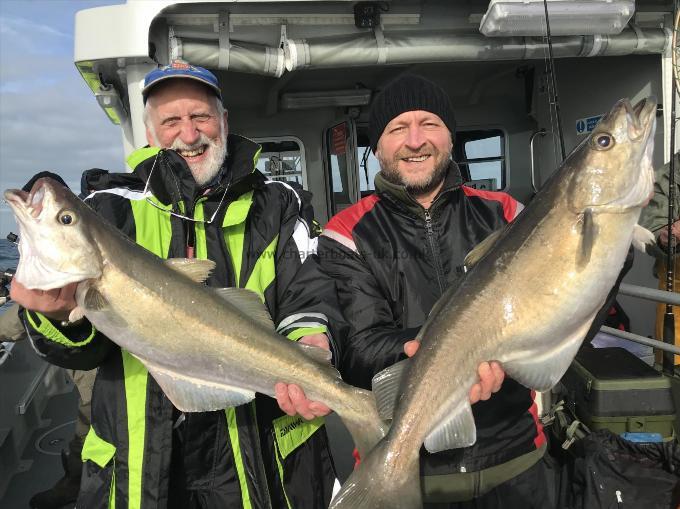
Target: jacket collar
x,y
171,180
397,193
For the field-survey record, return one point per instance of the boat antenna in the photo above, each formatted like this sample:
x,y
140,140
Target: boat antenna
x,y
553,98
669,317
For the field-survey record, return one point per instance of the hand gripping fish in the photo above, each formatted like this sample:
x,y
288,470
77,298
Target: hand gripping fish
x,y
538,287
207,349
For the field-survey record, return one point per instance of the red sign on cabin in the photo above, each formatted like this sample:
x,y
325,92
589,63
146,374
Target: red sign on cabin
x,y
339,139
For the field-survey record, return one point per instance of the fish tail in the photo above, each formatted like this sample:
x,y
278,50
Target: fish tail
x,y
363,421
382,482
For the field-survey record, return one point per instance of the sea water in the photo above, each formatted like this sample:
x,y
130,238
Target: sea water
x,y
9,257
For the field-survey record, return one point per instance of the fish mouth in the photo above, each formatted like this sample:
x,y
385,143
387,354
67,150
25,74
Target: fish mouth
x,y
640,117
28,205
25,205
641,126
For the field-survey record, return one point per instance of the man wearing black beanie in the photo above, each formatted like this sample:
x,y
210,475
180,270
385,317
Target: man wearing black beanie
x,y
393,254
403,104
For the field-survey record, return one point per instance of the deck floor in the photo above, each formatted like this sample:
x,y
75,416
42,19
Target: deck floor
x,y
41,463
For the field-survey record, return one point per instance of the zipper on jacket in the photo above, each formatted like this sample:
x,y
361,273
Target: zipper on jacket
x,y
435,251
189,227
190,249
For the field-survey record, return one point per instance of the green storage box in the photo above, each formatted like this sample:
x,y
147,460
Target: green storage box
x,y
612,388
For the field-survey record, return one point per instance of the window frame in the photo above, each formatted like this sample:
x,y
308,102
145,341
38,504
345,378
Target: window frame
x,y
503,158
352,164
274,139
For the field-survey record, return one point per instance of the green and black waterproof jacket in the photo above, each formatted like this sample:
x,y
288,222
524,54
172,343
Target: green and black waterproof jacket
x,y
143,453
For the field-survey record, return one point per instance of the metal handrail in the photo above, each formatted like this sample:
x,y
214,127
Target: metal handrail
x,y
26,399
643,292
655,343
5,351
541,132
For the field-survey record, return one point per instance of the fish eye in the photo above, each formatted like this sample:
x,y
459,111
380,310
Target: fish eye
x,y
603,141
66,217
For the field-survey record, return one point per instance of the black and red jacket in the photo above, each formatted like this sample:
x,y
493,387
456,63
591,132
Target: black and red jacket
x,y
392,260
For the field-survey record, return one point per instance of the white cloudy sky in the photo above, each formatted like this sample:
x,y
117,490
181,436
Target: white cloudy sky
x,y
49,119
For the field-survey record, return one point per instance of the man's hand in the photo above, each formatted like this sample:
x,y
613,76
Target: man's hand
x,y
663,233
491,375
291,398
56,304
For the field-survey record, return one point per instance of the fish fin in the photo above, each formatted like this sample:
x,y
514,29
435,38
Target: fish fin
x,y
542,371
248,302
386,385
320,355
588,234
379,484
457,430
482,248
190,395
94,300
642,238
195,269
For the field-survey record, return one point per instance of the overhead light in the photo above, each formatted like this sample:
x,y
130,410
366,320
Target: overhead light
x,y
567,17
324,99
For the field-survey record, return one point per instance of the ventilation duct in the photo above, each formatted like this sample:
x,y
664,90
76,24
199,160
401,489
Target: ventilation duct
x,y
237,56
370,49
404,48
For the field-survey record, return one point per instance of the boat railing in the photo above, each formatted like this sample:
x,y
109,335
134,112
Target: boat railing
x,y
645,293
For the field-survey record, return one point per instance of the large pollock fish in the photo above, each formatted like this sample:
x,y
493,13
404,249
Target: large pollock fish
x,y
538,288
207,349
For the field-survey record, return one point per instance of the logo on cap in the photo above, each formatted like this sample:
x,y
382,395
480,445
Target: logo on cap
x,y
178,64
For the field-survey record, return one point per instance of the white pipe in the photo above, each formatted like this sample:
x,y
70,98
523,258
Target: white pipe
x,y
406,48
243,56
412,48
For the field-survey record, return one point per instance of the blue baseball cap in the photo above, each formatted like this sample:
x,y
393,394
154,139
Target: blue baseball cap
x,y
180,69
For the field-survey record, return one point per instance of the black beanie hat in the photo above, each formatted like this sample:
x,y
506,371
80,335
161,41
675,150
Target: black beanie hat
x,y
408,93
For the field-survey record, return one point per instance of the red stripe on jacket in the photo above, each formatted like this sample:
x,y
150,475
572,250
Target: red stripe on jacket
x,y
344,221
539,440
508,202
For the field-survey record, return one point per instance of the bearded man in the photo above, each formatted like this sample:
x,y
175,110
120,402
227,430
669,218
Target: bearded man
x,y
392,255
195,192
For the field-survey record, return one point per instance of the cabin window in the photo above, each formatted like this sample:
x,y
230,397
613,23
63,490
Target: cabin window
x,y
368,165
481,156
479,153
283,159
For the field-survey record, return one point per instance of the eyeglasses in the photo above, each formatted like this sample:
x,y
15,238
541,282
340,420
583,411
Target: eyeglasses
x,y
148,194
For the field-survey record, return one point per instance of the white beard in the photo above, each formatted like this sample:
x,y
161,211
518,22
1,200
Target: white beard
x,y
206,170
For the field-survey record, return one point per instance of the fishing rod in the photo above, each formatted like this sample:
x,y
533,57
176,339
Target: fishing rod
x,y
554,100
669,317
